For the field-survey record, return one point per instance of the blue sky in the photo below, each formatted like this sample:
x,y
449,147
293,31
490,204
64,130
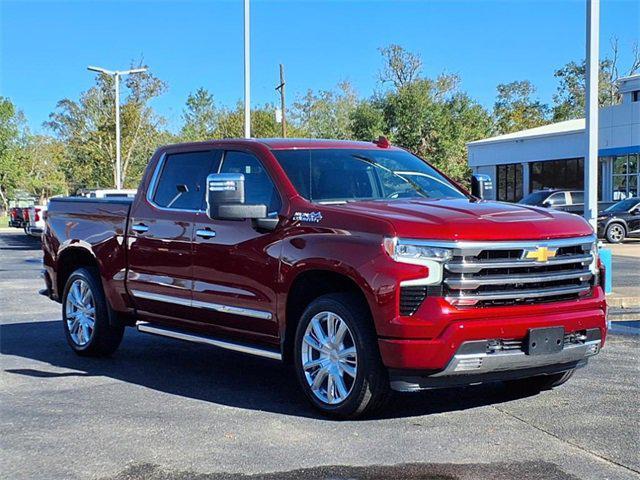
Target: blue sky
x,y
46,46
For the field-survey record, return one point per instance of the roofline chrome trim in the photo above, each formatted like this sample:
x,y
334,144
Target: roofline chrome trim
x,y
218,307
147,327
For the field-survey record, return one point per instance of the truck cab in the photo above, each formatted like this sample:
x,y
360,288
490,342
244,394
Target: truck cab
x,y
359,263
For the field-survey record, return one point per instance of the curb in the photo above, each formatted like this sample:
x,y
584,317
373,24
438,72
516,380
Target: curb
x,y
623,314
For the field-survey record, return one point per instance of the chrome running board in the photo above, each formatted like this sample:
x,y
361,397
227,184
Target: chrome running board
x,y
146,327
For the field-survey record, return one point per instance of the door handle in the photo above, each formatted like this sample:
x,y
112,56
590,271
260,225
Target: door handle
x,y
140,228
205,233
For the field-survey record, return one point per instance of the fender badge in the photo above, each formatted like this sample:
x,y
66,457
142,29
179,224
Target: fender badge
x,y
312,217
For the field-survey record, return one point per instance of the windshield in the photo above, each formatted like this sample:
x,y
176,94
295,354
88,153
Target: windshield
x,y
535,198
623,206
342,175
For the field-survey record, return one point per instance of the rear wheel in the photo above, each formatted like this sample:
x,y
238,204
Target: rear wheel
x,y
337,359
615,233
85,316
542,382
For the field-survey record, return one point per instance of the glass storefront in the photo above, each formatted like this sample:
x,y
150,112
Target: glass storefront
x,y
626,174
560,174
509,182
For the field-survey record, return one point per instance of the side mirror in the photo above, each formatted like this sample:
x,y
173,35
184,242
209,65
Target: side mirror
x,y
481,185
225,198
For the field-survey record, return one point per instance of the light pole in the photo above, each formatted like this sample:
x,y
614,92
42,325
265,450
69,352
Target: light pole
x,y
116,74
247,72
591,113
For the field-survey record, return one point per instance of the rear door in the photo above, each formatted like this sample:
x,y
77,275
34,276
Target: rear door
x,y
160,235
236,266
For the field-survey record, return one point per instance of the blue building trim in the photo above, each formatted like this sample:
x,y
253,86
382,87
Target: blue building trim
x,y
610,152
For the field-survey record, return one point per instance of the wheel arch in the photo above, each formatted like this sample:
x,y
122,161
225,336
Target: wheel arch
x,y
305,287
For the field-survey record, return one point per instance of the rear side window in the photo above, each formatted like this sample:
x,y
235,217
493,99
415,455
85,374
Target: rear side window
x,y
258,187
577,197
182,181
557,198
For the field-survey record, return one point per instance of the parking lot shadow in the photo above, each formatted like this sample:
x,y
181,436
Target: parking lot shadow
x,y
19,242
210,374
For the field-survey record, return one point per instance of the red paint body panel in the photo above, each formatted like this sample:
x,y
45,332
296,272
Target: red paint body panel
x,y
249,269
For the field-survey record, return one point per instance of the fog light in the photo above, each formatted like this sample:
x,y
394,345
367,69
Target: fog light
x,y
593,349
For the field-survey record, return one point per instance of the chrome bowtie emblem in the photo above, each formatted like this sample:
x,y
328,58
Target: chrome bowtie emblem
x,y
540,254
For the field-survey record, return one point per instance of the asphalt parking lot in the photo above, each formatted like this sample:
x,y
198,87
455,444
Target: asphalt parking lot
x,y
162,409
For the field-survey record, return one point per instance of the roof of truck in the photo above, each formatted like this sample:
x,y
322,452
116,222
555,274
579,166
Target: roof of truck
x,y
301,143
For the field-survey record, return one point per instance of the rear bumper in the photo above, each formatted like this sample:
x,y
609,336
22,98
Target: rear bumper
x,y
436,356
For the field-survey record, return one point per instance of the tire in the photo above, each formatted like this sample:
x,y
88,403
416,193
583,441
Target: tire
x,y
542,382
615,233
85,316
352,365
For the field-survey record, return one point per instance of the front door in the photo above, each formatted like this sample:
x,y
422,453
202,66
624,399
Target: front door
x,y
235,266
160,237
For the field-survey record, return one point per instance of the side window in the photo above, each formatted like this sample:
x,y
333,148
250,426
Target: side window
x,y
258,187
183,178
577,198
557,199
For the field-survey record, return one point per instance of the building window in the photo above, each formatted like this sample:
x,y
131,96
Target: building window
x,y
635,96
510,182
560,174
625,176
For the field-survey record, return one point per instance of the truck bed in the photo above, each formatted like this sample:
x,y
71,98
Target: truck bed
x,y
101,224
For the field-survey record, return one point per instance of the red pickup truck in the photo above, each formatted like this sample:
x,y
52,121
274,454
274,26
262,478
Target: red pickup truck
x,y
359,263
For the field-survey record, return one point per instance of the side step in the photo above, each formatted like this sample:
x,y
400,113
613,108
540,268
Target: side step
x,y
147,327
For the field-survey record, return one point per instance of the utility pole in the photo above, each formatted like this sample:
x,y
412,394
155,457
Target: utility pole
x,y
116,74
247,72
591,113
282,102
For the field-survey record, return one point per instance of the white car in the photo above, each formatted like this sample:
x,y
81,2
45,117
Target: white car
x,y
110,193
35,225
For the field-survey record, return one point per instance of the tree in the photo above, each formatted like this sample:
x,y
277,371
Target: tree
x,y
401,67
43,162
367,120
11,136
88,129
515,110
200,116
326,114
569,100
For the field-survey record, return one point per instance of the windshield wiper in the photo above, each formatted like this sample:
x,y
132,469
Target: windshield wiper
x,y
413,184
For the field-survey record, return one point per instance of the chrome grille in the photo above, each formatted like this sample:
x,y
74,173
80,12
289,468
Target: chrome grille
x,y
506,273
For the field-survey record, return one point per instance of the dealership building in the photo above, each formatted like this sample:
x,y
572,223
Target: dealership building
x,y
552,156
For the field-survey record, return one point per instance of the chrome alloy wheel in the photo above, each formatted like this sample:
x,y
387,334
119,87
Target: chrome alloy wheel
x,y
616,232
80,312
329,358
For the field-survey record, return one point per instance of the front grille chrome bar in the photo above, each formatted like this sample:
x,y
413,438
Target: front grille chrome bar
x,y
476,282
521,294
476,266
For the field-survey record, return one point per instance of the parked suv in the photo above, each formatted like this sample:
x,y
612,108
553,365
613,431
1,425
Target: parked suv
x,y
620,221
359,263
571,201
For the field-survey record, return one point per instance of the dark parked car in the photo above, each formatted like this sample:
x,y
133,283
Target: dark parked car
x,y
571,201
620,221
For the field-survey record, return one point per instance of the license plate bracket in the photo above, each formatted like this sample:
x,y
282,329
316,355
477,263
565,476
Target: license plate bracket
x,y
543,341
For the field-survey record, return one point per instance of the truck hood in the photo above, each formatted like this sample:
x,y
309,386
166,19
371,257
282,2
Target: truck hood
x,y
462,219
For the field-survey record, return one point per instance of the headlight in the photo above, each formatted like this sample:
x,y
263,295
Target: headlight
x,y
419,253
593,266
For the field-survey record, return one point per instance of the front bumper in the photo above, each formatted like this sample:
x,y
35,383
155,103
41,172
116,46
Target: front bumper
x,y
475,362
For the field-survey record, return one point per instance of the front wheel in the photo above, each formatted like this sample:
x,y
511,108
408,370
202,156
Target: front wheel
x,y
337,359
615,233
85,316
